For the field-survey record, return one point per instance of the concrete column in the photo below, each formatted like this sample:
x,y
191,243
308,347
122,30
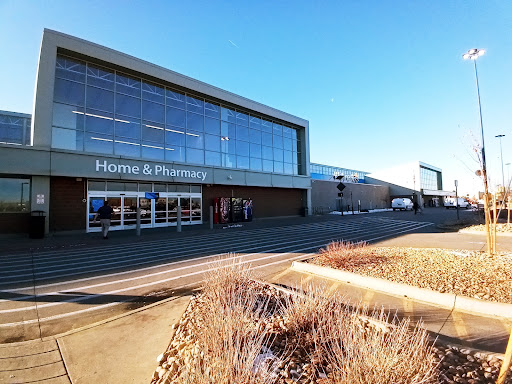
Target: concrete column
x,y
40,197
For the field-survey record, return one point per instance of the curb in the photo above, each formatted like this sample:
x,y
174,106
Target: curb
x,y
447,300
498,234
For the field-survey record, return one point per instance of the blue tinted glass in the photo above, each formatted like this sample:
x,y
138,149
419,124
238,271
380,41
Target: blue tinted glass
x,y
256,164
228,160
175,99
68,116
256,150
194,140
96,142
153,111
242,162
295,146
266,126
278,167
294,134
195,156
195,105
97,121
151,132
287,144
227,115
100,99
288,168
150,151
67,139
72,69
212,158
173,153
287,132
195,122
242,148
266,139
212,126
277,129
278,141
153,92
174,137
227,130
255,122
128,85
242,119
295,169
69,92
176,117
126,128
278,154
242,133
127,148
255,136
100,77
128,106
267,153
212,110
288,156
228,146
212,143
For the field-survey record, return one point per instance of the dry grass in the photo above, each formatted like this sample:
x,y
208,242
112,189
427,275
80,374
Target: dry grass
x,y
342,253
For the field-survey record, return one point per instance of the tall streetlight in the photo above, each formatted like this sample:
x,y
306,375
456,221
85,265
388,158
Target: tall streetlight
x,y
501,155
474,54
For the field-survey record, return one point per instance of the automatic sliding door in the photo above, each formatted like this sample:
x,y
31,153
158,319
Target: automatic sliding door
x,y
115,203
129,210
145,211
161,211
95,202
172,209
196,209
185,209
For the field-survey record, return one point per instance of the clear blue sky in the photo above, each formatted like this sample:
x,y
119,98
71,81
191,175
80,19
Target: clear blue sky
x,y
381,82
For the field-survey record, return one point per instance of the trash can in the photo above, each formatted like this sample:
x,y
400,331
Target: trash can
x,y
37,221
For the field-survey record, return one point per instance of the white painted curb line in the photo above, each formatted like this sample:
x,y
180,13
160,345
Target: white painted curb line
x,y
448,300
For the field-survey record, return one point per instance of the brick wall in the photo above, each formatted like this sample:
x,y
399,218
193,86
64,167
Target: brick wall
x,y
67,211
267,202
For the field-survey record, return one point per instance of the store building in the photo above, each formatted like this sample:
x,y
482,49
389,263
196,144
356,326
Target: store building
x,y
106,125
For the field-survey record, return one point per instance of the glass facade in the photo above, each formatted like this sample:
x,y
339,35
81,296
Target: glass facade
x,y
14,130
430,179
327,172
14,195
101,110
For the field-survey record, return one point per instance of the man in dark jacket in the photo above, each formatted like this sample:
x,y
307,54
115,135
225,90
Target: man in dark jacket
x,y
105,214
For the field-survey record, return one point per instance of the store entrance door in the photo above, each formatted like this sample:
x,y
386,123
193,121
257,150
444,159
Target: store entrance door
x,y
123,217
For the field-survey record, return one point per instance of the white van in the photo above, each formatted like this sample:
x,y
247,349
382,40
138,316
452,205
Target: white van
x,y
401,203
451,202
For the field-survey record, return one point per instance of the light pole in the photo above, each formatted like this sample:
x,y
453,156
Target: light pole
x,y
501,155
474,54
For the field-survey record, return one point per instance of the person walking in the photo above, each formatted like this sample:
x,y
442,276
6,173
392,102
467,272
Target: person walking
x,y
105,214
415,207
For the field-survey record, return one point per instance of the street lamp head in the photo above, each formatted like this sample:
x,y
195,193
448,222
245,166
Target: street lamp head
x,y
500,136
473,54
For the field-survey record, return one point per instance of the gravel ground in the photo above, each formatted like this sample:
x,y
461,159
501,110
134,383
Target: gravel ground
x,y
500,228
468,273
455,365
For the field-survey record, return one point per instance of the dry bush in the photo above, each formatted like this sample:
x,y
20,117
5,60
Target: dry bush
x,y
347,254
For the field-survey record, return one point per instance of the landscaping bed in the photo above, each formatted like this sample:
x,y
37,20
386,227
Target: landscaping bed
x,y
500,228
467,273
241,331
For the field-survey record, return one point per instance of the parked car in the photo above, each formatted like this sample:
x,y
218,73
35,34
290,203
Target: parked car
x,y
402,204
451,202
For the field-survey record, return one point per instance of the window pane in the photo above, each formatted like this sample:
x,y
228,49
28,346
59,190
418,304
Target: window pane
x,y
127,147
278,141
97,185
72,69
97,121
195,105
128,106
212,126
128,85
266,126
176,117
287,132
195,121
175,99
150,151
69,92
242,162
287,144
266,139
254,136
242,133
278,167
288,168
267,153
212,158
256,164
175,153
67,139
126,128
277,129
160,187
100,99
242,119
194,140
212,143
175,137
228,160
153,111
228,130
195,156
242,148
153,92
14,195
288,156
256,150
195,189
154,133
228,146
278,154
255,122
68,116
294,134
268,165
100,77
211,109
96,142
227,115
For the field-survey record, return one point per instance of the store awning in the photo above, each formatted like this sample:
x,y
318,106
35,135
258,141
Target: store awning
x,y
433,192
